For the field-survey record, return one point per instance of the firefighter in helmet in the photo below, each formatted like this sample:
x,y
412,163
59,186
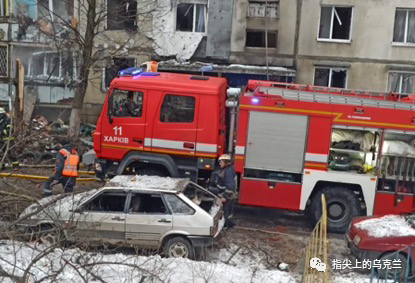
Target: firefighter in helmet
x,y
226,185
66,170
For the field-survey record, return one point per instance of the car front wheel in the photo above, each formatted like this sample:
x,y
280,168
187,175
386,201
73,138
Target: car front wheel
x,y
179,247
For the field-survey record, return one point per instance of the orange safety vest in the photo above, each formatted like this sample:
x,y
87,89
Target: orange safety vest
x,y
70,167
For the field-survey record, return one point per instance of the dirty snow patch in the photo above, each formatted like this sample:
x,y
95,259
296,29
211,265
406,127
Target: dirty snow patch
x,y
74,265
144,181
387,226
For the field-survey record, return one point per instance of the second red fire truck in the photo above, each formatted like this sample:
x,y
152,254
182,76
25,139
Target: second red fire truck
x,y
291,142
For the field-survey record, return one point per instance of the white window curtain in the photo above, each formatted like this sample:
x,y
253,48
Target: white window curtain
x,y
200,18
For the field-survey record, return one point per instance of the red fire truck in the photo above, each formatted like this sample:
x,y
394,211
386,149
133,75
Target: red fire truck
x,y
293,142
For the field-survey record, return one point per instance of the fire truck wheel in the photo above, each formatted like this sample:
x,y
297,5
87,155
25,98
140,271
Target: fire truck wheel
x,y
342,206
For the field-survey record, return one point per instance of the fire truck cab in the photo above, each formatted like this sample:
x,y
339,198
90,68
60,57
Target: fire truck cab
x,y
293,142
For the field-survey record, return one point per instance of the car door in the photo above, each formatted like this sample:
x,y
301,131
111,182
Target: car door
x,y
148,218
102,219
176,125
123,130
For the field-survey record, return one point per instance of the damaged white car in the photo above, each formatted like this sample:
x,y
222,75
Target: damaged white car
x,y
172,216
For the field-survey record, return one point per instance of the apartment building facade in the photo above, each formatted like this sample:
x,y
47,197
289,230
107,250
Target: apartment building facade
x,y
368,45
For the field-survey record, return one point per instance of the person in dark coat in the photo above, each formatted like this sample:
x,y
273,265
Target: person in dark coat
x,y
226,185
66,171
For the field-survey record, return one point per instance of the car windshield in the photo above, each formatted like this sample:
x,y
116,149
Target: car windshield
x,y
203,199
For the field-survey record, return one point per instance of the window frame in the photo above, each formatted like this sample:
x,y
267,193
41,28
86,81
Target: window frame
x,y
319,39
4,11
130,198
262,48
45,74
138,92
184,95
266,8
405,42
194,18
400,80
93,198
331,68
171,209
104,88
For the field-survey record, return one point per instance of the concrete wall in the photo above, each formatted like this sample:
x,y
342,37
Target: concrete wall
x,y
284,24
370,54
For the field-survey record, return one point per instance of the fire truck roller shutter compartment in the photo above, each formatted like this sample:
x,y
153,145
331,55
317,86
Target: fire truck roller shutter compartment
x,y
276,142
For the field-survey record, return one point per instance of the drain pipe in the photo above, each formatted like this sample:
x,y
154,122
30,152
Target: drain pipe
x,y
232,103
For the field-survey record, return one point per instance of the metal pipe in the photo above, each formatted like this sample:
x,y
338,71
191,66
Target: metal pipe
x,y
33,177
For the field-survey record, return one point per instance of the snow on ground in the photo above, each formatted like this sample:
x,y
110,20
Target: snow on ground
x,y
386,226
78,266
145,182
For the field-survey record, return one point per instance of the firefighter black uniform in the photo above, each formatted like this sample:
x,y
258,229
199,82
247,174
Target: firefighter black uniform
x,y
66,171
227,186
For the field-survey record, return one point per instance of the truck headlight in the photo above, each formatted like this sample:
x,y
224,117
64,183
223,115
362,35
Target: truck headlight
x,y
356,240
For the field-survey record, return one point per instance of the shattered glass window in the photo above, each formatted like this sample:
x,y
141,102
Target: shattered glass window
x,y
335,23
177,205
121,15
178,109
191,17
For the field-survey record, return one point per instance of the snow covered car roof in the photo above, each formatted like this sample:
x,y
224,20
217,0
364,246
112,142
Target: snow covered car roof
x,y
388,226
148,182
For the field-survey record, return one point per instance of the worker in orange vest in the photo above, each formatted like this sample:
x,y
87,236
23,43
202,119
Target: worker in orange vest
x,y
66,171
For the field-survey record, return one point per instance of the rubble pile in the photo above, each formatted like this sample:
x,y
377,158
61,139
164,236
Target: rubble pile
x,y
41,141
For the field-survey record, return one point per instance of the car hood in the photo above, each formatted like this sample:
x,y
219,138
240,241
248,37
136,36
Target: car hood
x,y
382,232
55,207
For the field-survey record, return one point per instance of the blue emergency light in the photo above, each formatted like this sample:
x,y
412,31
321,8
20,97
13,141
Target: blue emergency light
x,y
130,72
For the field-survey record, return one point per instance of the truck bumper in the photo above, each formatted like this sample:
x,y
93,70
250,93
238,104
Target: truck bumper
x,y
361,254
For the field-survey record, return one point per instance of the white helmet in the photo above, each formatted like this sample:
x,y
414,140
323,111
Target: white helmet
x,y
225,157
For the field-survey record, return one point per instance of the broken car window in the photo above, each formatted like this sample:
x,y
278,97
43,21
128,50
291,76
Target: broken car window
x,y
177,205
147,203
107,202
127,103
177,109
191,17
335,23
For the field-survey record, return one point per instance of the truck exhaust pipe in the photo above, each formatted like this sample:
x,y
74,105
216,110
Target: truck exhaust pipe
x,y
232,103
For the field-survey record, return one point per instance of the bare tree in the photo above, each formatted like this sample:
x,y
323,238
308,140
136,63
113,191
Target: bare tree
x,y
96,32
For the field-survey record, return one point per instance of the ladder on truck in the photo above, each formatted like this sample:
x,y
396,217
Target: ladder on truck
x,y
335,96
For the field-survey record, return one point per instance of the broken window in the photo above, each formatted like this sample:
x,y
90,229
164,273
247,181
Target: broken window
x,y
257,9
335,23
402,82
147,203
111,72
126,103
191,17
404,30
54,10
122,15
52,65
177,205
177,109
107,202
257,39
3,61
330,77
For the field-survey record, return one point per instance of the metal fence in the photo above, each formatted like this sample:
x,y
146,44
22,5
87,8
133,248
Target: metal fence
x,y
394,267
316,258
